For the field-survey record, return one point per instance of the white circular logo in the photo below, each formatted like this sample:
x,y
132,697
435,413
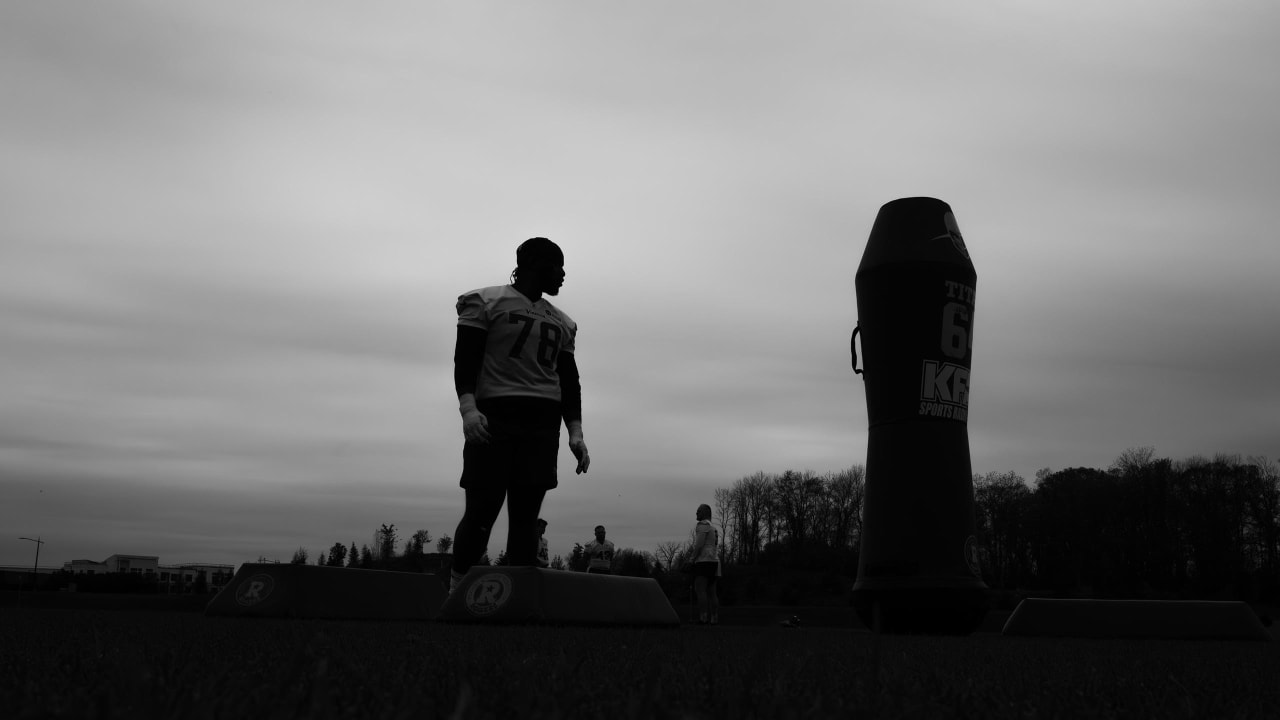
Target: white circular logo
x,y
487,594
254,590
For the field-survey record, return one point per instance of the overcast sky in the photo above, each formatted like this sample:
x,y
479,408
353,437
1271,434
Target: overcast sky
x,y
232,235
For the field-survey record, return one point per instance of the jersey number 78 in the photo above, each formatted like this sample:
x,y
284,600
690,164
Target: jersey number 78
x,y
548,339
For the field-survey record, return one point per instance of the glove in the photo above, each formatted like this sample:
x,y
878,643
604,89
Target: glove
x,y
578,447
475,426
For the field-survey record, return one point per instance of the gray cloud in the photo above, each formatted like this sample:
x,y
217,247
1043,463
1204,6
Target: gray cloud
x,y
234,236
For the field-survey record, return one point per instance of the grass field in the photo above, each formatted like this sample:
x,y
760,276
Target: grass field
x,y
135,664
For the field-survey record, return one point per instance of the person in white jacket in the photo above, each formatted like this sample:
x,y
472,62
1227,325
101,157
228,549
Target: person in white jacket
x,y
706,566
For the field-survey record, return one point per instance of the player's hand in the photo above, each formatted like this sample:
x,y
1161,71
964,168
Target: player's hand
x,y
579,449
475,426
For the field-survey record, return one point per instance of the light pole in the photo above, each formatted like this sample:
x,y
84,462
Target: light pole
x,y
35,569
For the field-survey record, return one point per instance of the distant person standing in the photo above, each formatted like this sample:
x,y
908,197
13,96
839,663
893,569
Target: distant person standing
x,y
516,378
599,553
544,553
706,566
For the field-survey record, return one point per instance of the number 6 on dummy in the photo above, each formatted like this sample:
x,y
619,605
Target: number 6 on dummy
x,y
918,568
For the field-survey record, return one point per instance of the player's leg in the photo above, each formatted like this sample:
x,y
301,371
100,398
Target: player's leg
x,y
713,600
472,536
523,506
485,468
700,589
533,462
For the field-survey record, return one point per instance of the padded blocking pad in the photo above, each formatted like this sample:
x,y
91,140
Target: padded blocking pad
x,y
536,595
1187,619
311,591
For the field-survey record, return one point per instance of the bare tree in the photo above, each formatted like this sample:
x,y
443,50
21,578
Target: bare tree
x,y
1001,501
1133,459
667,552
725,507
798,497
751,516
1266,467
846,491
384,542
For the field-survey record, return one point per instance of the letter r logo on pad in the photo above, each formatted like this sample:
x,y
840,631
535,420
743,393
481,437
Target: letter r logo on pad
x,y
488,594
254,590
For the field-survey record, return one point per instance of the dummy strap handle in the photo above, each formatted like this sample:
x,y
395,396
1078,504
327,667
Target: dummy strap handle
x,y
853,348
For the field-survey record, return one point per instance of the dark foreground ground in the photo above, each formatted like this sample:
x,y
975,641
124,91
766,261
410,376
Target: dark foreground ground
x,y
105,663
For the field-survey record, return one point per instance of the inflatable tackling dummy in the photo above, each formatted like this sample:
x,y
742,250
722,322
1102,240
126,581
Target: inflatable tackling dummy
x,y
536,595
310,591
918,564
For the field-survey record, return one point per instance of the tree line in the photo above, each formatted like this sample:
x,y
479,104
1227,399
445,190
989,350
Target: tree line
x,y
1144,527
381,553
414,555
798,519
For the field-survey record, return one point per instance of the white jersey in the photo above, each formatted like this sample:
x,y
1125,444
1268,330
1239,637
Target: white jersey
x,y
705,538
599,554
525,339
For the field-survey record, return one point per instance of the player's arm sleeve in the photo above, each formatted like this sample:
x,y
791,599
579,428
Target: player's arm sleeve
x,y
473,332
468,354
570,387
